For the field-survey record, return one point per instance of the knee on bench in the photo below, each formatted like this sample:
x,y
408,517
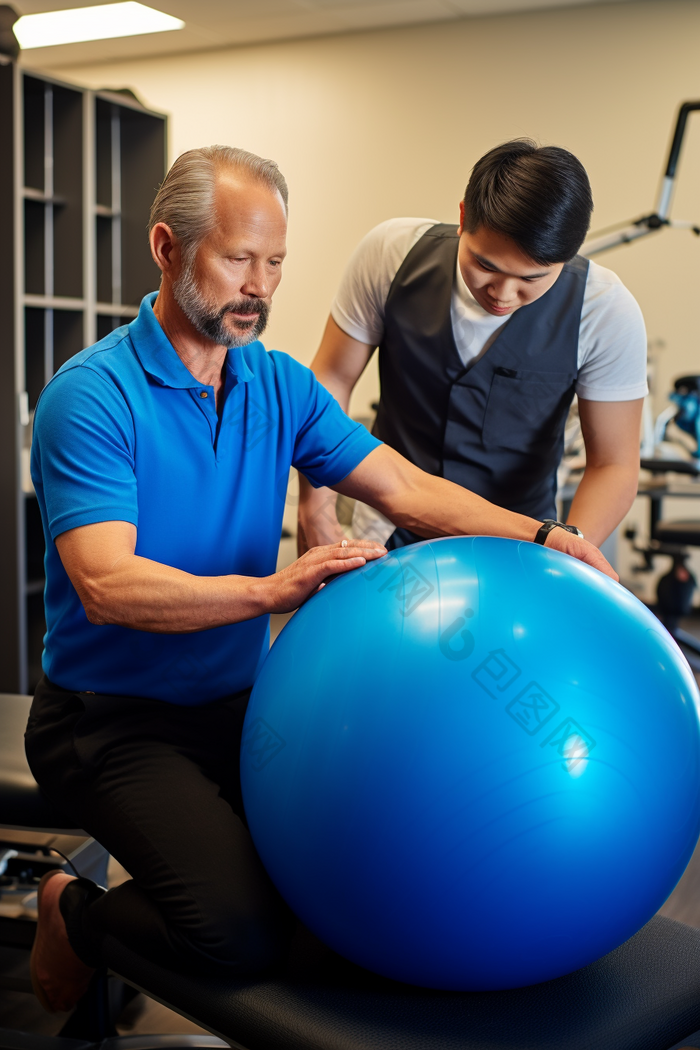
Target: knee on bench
x,y
248,943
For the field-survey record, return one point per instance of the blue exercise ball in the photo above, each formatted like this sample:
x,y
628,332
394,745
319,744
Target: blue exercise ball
x,y
473,764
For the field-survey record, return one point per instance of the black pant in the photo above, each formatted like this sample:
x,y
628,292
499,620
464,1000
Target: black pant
x,y
158,786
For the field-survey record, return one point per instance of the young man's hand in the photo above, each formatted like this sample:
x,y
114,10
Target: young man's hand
x,y
292,586
570,543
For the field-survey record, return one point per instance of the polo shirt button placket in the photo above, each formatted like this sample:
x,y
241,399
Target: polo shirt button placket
x,y
210,414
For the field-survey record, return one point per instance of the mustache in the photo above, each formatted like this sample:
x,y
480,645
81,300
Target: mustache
x,y
249,305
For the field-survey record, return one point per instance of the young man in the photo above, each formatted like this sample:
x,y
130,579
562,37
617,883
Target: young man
x,y
160,461
486,331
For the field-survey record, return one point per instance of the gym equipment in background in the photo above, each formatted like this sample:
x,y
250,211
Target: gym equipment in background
x,y
683,413
675,590
672,447
625,233
473,764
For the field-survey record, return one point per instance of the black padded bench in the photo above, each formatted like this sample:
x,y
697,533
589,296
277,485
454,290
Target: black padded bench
x,y
678,533
643,996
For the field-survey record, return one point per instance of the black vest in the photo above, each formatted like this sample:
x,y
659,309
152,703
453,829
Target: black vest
x,y
496,427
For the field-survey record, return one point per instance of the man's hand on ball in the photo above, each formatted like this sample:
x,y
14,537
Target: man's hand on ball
x,y
291,587
570,543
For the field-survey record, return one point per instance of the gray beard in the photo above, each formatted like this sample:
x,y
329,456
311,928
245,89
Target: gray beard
x,y
214,322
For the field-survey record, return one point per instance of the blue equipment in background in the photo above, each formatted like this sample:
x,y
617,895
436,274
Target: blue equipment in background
x,y
473,764
686,395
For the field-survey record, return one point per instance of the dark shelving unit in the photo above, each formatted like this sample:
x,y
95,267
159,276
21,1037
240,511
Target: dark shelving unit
x,y
78,172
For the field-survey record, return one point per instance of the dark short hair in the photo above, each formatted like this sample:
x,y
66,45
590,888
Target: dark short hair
x,y
539,196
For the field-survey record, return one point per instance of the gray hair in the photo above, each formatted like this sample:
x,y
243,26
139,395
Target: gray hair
x,y
185,200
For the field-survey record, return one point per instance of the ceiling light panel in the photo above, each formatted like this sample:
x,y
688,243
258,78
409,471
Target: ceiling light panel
x,y
92,23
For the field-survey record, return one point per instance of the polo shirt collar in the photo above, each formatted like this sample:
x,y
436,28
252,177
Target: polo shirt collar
x,y
159,358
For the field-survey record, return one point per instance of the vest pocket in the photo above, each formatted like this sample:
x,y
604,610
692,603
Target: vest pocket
x,y
526,410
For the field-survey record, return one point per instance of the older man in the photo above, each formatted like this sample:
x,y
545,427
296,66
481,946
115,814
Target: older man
x,y
160,461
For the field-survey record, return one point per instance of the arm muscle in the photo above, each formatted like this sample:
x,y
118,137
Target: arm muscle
x,y
609,484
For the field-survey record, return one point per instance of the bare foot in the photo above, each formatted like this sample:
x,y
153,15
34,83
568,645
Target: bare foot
x,y
59,977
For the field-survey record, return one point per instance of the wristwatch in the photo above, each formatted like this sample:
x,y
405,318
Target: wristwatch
x,y
548,524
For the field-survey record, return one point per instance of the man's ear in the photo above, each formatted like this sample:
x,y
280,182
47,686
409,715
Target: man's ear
x,y
165,247
460,231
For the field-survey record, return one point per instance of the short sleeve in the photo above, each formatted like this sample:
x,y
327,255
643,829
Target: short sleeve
x,y
358,308
83,452
328,445
613,341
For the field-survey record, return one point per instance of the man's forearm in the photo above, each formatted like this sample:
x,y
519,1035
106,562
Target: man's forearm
x,y
603,498
148,596
117,587
431,506
317,519
450,510
427,505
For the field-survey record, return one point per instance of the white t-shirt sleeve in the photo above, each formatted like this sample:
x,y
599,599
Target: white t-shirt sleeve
x,y
358,308
612,341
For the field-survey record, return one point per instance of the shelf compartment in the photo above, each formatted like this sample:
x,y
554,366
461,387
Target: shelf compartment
x,y
103,257
103,152
34,100
67,336
35,353
68,187
34,247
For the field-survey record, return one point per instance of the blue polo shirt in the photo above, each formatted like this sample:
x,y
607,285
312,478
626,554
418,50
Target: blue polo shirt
x,y
124,432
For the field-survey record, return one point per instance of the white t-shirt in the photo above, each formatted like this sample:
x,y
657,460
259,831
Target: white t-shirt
x,y
612,348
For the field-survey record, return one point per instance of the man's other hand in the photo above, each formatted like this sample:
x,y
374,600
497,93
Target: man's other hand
x,y
570,543
292,586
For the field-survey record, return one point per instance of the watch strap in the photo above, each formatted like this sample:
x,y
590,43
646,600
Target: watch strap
x,y
548,524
